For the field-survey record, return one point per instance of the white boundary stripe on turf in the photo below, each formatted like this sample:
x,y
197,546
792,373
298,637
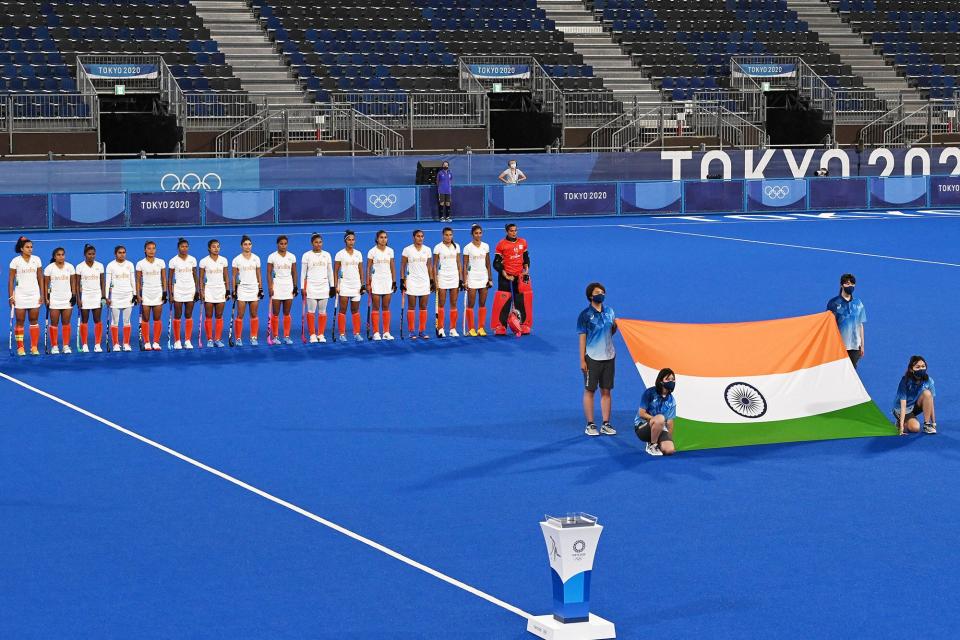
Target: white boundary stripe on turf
x,y
283,503
791,246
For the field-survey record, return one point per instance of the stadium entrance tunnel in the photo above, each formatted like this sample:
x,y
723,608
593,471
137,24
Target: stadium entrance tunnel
x,y
791,120
518,122
135,123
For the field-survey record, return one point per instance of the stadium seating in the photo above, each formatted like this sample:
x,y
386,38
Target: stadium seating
x,y
393,45
685,46
920,38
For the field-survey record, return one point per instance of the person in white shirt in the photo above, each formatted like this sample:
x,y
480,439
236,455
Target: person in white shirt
x,y
62,295
214,291
186,291
152,291
381,282
350,284
416,282
27,293
121,296
91,288
247,290
316,282
476,266
449,279
282,287
512,175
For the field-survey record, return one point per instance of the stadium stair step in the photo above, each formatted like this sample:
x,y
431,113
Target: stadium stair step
x,y
581,28
852,50
247,49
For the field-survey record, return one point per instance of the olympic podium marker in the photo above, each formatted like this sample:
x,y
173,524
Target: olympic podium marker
x,y
571,545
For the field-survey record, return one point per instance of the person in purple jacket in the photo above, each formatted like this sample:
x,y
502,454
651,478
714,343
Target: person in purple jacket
x,y
444,191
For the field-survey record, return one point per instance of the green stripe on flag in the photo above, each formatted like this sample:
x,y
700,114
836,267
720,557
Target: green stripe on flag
x,y
858,421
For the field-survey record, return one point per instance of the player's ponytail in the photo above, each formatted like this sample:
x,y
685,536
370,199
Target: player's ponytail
x,y
53,256
22,240
474,228
348,233
245,239
87,248
181,241
315,236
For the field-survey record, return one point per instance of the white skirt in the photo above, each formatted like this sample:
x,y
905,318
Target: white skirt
x,y
89,301
418,289
60,304
183,296
152,300
445,283
214,296
26,299
381,287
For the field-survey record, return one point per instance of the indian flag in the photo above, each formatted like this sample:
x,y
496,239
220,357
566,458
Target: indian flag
x,y
746,383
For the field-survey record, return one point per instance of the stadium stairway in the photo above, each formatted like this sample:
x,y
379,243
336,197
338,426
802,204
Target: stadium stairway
x,y
262,71
876,73
599,51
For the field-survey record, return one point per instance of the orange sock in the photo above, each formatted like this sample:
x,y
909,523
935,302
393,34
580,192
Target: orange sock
x,y
157,330
441,317
423,319
454,316
35,336
219,329
311,324
83,333
187,328
286,326
356,323
469,318
254,327
176,330
66,335
97,332
375,319
208,327
126,335
145,330
386,321
482,318
271,323
322,324
411,314
53,337
237,328
342,323
115,334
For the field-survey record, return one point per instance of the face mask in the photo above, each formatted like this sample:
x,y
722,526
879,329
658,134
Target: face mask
x,y
598,298
669,386
920,374
446,168
513,165
848,290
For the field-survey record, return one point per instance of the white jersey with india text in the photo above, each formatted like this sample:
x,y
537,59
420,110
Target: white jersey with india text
x,y
477,275
417,276
214,279
120,284
281,270
184,270
60,284
247,269
381,276
151,286
349,272
26,292
447,259
89,289
316,274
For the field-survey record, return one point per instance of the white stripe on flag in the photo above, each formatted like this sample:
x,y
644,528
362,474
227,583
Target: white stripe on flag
x,y
785,396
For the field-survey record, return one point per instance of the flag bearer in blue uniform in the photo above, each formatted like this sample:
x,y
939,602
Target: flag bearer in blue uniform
x,y
596,326
915,398
850,316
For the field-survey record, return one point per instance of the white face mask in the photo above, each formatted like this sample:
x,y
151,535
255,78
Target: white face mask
x,y
513,165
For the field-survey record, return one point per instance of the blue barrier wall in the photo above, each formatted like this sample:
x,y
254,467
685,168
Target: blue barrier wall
x,y
528,200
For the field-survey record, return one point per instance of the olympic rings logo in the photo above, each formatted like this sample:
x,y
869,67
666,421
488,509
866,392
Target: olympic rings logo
x,y
191,182
382,201
776,192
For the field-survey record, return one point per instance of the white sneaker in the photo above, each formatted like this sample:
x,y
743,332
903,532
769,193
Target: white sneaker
x,y
156,346
116,347
454,334
376,336
147,346
358,338
187,345
321,338
67,349
96,348
607,429
55,351
441,334
126,347
591,430
930,427
177,345
85,349
387,336
314,340
342,338
654,449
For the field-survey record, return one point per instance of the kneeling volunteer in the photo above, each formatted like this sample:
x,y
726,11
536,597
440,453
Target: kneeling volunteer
x,y
654,420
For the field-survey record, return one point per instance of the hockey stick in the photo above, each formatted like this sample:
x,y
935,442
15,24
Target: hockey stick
x,y
233,318
336,318
46,329
13,321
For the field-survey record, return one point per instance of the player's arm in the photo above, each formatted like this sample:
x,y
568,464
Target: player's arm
x,y
489,270
393,272
137,275
583,352
362,281
430,270
336,275
45,285
11,279
330,277
196,281
103,286
108,285
268,268
74,288
293,277
259,283
461,271
403,270
235,281
202,286
41,278
903,416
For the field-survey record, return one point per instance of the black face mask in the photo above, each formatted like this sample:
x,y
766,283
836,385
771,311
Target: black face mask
x,y
920,374
848,290
669,386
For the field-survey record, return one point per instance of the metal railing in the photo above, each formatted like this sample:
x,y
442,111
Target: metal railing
x,y
589,108
750,105
216,111
364,132
872,132
602,137
530,76
921,125
419,110
716,121
49,112
863,106
665,120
